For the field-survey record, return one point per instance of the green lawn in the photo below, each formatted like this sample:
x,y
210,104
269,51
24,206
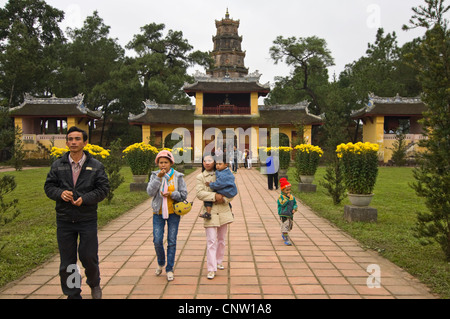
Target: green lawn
x,y
31,238
392,236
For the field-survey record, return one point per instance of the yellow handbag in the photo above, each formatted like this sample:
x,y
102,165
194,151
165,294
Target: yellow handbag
x,y
182,208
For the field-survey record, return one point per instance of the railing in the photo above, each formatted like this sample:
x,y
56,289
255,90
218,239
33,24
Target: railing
x,y
49,137
408,137
227,110
29,138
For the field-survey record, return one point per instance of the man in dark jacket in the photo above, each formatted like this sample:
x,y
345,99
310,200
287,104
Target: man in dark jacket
x,y
77,182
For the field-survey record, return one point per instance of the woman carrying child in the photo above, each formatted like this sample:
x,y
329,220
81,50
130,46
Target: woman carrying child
x,y
217,225
166,186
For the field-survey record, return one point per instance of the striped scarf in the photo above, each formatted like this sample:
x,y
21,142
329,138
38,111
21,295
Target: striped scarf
x,y
164,189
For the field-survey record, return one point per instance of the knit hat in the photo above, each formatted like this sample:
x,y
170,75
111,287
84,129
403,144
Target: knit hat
x,y
284,183
165,154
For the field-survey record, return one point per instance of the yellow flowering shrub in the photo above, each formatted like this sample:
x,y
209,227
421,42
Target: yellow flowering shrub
x,y
57,152
360,166
97,151
140,157
307,159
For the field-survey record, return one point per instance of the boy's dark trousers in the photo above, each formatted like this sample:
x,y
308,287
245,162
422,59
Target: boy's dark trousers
x,y
67,236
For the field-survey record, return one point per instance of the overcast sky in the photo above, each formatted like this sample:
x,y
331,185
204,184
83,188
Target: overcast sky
x,y
346,25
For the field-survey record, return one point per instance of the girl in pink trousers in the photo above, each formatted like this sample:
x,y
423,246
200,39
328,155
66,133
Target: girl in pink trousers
x,y
221,216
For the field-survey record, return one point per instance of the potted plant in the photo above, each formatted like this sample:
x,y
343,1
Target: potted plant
x,y
307,159
141,158
360,170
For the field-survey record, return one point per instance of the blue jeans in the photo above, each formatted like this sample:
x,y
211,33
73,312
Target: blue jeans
x,y
158,239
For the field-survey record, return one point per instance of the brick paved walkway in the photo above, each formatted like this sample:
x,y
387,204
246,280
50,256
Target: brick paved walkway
x,y
324,262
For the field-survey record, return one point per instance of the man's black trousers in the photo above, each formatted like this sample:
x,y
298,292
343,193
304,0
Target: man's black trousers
x,y
78,237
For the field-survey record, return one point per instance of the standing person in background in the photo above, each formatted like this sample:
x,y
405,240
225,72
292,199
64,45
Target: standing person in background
x,y
249,159
272,165
77,182
236,156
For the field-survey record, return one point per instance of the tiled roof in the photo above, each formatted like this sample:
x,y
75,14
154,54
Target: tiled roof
x,y
54,106
391,106
184,115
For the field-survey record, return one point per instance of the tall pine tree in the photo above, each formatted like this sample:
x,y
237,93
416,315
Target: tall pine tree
x,y
433,175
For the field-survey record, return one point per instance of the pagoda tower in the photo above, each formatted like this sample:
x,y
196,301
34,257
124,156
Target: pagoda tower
x,y
227,53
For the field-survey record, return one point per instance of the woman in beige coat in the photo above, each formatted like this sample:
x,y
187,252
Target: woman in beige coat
x,y
221,216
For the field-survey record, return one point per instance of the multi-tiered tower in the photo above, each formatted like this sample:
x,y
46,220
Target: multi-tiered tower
x,y
227,54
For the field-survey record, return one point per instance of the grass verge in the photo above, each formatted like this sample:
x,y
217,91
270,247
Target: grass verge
x,y
392,236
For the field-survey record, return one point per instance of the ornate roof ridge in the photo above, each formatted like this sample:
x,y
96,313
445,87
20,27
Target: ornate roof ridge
x,y
53,100
250,78
393,100
153,105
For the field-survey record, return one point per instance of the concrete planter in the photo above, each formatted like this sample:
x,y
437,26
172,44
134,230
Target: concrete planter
x,y
360,200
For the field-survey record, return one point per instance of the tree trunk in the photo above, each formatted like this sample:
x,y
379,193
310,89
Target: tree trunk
x,y
12,94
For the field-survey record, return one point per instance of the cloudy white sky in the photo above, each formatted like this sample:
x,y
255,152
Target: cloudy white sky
x,y
347,25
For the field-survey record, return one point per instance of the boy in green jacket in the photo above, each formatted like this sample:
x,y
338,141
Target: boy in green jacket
x,y
287,206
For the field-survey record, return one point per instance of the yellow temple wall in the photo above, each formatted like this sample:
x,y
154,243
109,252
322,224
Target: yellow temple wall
x,y
254,105
373,132
199,103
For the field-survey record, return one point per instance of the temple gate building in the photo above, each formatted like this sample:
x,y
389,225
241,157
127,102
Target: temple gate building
x,y
44,122
226,97
383,117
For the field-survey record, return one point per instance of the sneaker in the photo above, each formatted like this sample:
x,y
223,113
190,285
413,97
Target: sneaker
x,y
170,276
159,270
211,275
221,267
96,292
287,242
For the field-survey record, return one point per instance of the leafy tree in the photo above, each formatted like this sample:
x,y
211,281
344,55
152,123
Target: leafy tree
x,y
162,63
399,149
309,58
18,151
28,31
335,132
113,164
383,70
336,120
8,210
88,59
6,132
334,181
433,175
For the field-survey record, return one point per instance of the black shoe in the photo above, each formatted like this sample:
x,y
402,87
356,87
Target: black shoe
x,y
96,292
206,215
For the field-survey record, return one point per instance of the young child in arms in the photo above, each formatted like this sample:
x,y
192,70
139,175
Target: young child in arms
x,y
224,185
